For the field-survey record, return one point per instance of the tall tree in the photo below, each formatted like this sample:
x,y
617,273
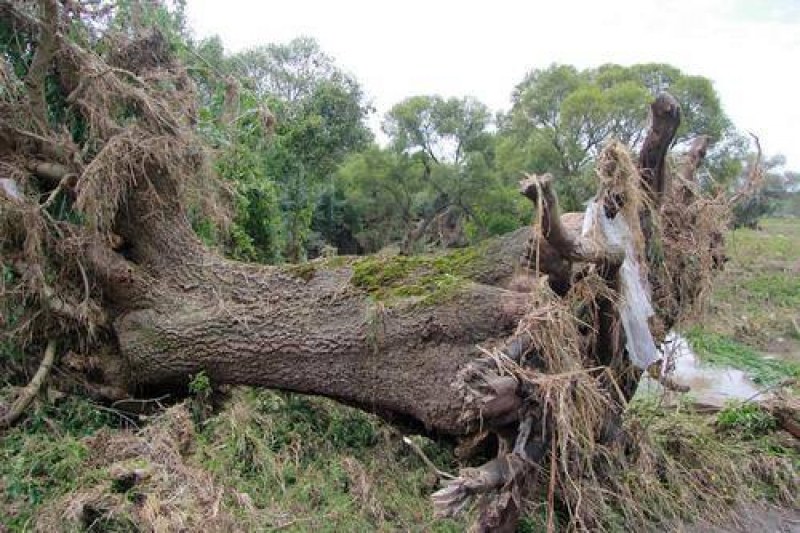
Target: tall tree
x,y
288,71
320,113
561,117
450,138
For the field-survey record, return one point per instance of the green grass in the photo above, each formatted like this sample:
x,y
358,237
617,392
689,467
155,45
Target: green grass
x,y
755,305
778,239
305,464
316,465
756,299
720,350
747,420
44,458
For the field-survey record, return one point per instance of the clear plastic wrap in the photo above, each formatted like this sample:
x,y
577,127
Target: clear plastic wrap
x,y
635,308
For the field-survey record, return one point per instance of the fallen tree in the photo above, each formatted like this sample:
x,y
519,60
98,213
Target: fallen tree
x,y
519,341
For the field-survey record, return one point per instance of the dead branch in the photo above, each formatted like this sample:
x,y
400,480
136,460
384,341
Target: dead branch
x,y
665,117
32,389
569,245
695,156
754,178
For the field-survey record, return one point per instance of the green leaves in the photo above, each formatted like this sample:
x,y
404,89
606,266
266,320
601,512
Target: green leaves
x,y
296,116
444,130
569,114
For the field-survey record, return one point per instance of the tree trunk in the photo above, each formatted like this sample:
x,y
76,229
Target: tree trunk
x,y
308,328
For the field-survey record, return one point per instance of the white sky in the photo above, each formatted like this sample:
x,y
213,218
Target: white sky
x,y
749,48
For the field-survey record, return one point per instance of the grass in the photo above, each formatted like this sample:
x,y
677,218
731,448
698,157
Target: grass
x,y
754,312
716,349
292,463
44,457
278,461
308,463
756,299
747,420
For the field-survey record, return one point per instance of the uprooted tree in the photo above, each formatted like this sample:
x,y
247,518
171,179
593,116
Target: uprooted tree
x,y
517,342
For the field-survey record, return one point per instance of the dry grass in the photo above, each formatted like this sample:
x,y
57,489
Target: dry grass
x,y
151,485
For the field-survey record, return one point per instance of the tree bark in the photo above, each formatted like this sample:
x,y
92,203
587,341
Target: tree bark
x,y
312,329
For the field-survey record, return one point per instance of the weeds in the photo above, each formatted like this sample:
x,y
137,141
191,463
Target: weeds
x,y
43,458
308,463
272,460
747,420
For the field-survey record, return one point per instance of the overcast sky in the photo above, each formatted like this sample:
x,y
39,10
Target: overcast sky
x,y
750,49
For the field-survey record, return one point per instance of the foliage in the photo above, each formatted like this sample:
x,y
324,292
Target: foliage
x,y
320,114
746,420
436,184
561,117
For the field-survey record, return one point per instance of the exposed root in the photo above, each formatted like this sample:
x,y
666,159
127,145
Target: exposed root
x,y
569,246
440,474
568,361
30,391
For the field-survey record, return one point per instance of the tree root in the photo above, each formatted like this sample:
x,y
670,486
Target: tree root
x,y
32,389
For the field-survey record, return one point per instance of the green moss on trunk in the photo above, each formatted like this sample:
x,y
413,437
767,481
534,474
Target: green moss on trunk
x,y
430,278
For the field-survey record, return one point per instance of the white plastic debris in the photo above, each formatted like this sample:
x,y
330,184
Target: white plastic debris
x,y
635,308
9,188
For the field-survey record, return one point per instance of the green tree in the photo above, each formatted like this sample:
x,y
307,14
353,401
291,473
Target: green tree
x,y
281,118
373,201
321,114
287,71
450,138
561,117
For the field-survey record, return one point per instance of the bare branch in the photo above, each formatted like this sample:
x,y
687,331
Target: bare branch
x,y
568,244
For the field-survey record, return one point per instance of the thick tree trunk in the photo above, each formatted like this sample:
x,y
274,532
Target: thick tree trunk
x,y
309,328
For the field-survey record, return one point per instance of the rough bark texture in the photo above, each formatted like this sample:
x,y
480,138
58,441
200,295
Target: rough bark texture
x,y
183,309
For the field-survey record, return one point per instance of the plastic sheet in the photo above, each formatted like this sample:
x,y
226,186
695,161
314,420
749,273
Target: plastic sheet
x,y
9,187
635,308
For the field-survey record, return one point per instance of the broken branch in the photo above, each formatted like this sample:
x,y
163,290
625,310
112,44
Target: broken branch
x,y
569,245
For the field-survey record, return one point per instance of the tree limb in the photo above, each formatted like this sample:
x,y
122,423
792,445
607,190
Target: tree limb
x,y
569,245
